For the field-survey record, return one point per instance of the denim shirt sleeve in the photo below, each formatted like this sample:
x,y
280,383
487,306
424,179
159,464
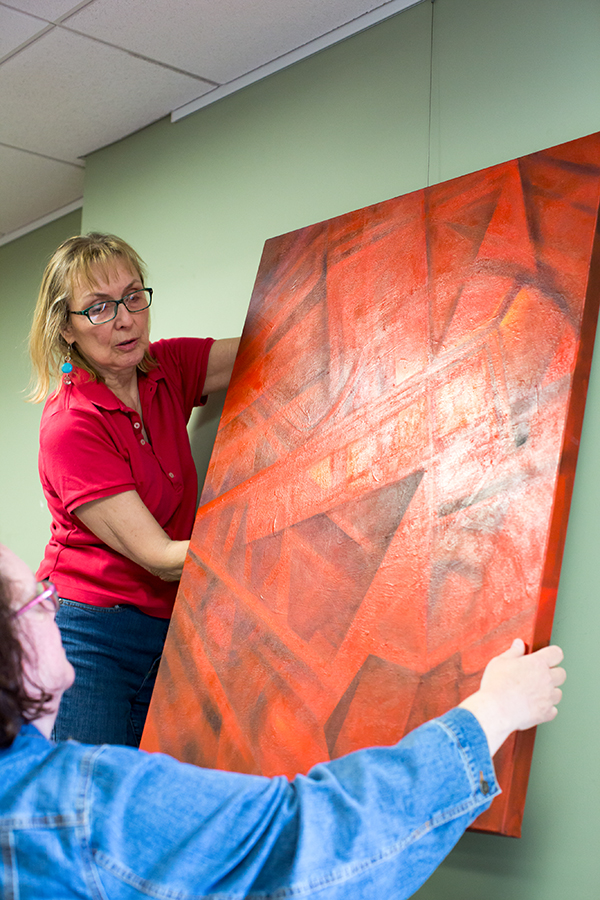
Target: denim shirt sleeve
x,y
373,824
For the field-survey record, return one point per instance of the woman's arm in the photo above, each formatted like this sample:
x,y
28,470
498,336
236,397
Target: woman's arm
x,y
126,524
220,364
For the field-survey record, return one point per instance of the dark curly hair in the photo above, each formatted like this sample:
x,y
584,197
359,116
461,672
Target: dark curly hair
x,y
16,704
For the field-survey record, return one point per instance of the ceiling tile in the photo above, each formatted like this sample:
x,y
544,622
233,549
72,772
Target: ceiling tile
x,y
86,95
68,93
16,28
45,9
217,40
32,187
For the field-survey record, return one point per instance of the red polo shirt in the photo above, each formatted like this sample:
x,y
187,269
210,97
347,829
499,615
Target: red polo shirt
x,y
92,446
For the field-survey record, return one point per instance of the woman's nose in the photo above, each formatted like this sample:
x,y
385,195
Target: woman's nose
x,y
123,317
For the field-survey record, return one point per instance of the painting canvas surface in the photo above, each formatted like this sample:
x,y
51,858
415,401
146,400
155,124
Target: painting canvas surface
x,y
386,503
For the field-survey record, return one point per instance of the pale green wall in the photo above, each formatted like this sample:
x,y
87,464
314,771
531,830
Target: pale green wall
x,y
511,77
336,132
24,519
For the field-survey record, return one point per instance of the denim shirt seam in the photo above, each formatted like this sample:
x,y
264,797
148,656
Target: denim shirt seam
x,y
150,888
25,823
85,837
472,768
7,852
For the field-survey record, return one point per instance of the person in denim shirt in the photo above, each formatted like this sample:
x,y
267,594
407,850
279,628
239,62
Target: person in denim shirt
x,y
79,821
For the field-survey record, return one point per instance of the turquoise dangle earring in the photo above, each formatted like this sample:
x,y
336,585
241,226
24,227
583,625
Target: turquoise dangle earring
x,y
67,367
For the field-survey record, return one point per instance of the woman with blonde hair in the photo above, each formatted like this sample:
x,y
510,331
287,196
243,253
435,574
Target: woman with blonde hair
x,y
117,472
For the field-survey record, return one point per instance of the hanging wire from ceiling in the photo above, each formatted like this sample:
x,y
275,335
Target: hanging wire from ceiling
x,y
430,95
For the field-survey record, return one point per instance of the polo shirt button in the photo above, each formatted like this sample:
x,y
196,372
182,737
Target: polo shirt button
x,y
136,424
171,475
142,442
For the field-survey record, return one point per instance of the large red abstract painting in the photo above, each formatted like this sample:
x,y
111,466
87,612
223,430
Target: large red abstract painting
x,y
386,503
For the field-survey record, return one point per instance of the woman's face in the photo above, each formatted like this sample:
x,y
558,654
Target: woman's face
x,y
46,666
114,347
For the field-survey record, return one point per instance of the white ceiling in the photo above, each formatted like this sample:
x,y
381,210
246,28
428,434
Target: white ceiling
x,y
75,77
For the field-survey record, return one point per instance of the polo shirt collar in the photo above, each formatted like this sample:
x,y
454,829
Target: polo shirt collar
x,y
102,396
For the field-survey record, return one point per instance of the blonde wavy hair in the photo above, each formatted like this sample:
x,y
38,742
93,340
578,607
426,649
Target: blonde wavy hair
x,y
78,259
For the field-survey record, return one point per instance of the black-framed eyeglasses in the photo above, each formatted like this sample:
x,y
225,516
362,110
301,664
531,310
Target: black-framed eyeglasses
x,y
104,311
48,596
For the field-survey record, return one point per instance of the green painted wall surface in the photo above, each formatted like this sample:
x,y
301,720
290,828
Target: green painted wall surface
x,y
24,519
511,77
343,129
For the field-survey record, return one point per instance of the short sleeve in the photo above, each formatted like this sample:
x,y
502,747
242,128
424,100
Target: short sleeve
x,y
184,363
81,460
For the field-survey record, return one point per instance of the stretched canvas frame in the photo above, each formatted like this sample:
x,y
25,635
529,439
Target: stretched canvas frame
x,y
387,499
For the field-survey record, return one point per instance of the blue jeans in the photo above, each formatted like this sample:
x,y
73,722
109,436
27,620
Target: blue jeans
x,y
115,652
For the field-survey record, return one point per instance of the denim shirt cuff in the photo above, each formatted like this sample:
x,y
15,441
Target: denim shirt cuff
x,y
465,730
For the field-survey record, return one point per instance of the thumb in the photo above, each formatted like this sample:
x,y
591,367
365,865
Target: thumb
x,y
516,649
